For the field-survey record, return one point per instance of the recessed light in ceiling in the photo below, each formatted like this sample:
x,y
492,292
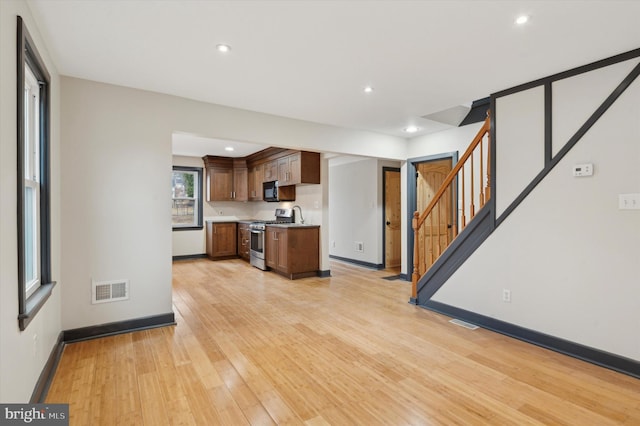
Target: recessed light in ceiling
x,y
411,129
228,148
224,48
368,89
522,19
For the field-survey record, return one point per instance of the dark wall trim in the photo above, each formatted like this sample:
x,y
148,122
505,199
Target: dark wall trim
x,y
576,350
412,196
548,123
619,90
43,384
324,273
189,256
571,73
46,376
359,262
119,327
384,205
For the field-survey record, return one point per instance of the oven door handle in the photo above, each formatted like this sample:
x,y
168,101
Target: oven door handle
x,y
257,231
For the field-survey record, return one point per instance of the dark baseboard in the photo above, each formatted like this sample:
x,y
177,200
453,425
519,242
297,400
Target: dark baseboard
x,y
120,327
46,376
358,262
189,257
93,332
324,274
566,347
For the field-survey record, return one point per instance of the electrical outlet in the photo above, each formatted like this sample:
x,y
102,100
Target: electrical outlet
x,y
359,246
333,244
220,213
506,295
35,344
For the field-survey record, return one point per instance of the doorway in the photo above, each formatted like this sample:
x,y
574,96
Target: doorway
x,y
392,219
425,176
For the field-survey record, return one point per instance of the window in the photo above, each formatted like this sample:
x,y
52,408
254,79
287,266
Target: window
x,y
186,193
33,192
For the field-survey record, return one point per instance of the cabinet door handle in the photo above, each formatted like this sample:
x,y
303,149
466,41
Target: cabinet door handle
x,y
275,236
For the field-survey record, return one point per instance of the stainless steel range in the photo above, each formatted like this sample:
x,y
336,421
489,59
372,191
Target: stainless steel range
x,y
257,251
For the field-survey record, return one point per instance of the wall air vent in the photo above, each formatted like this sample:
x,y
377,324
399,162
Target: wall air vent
x,y
109,291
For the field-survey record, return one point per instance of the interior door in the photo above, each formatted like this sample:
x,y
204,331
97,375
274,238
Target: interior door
x,y
429,178
392,236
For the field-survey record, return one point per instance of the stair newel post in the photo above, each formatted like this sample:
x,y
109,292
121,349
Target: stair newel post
x,y
416,241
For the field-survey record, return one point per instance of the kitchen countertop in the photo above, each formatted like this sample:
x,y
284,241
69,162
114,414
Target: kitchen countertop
x,y
292,225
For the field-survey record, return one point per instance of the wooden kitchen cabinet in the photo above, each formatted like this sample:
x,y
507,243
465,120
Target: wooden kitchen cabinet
x,y
293,251
244,241
221,240
240,181
227,179
256,177
220,184
270,171
301,167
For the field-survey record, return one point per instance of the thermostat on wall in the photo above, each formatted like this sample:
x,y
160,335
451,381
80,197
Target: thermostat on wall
x,y
583,169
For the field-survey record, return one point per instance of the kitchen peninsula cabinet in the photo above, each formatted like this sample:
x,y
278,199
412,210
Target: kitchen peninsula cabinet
x,y
221,240
293,251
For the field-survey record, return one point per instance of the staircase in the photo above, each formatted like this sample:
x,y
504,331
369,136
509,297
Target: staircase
x,y
462,196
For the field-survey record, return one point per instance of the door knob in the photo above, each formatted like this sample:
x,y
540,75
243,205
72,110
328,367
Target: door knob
x,y
388,223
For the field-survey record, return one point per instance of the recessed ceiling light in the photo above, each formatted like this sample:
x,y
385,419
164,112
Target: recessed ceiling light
x,y
522,19
228,148
411,129
368,89
224,48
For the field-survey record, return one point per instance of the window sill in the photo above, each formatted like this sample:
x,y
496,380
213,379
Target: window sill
x,y
188,228
34,303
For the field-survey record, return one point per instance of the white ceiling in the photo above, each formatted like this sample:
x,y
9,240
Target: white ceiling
x,y
310,60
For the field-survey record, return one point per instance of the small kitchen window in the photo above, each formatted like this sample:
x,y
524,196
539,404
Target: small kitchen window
x,y
186,194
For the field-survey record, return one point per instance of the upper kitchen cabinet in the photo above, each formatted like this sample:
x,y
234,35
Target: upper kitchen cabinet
x,y
226,179
270,171
301,167
256,177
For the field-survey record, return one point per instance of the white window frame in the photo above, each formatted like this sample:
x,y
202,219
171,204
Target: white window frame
x,y
31,178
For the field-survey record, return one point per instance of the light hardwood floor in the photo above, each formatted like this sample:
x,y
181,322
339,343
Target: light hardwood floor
x,y
254,348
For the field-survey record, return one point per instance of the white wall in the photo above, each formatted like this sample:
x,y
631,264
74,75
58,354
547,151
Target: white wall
x,y
353,210
356,209
23,354
567,253
520,144
117,156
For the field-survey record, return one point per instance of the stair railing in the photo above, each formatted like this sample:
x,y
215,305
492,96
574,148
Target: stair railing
x,y
437,226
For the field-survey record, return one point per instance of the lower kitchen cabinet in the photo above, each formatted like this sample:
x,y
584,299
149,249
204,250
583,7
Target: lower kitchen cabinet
x,y
244,241
222,240
293,251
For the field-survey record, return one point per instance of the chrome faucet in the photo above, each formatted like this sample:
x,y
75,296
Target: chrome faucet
x,y
301,218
